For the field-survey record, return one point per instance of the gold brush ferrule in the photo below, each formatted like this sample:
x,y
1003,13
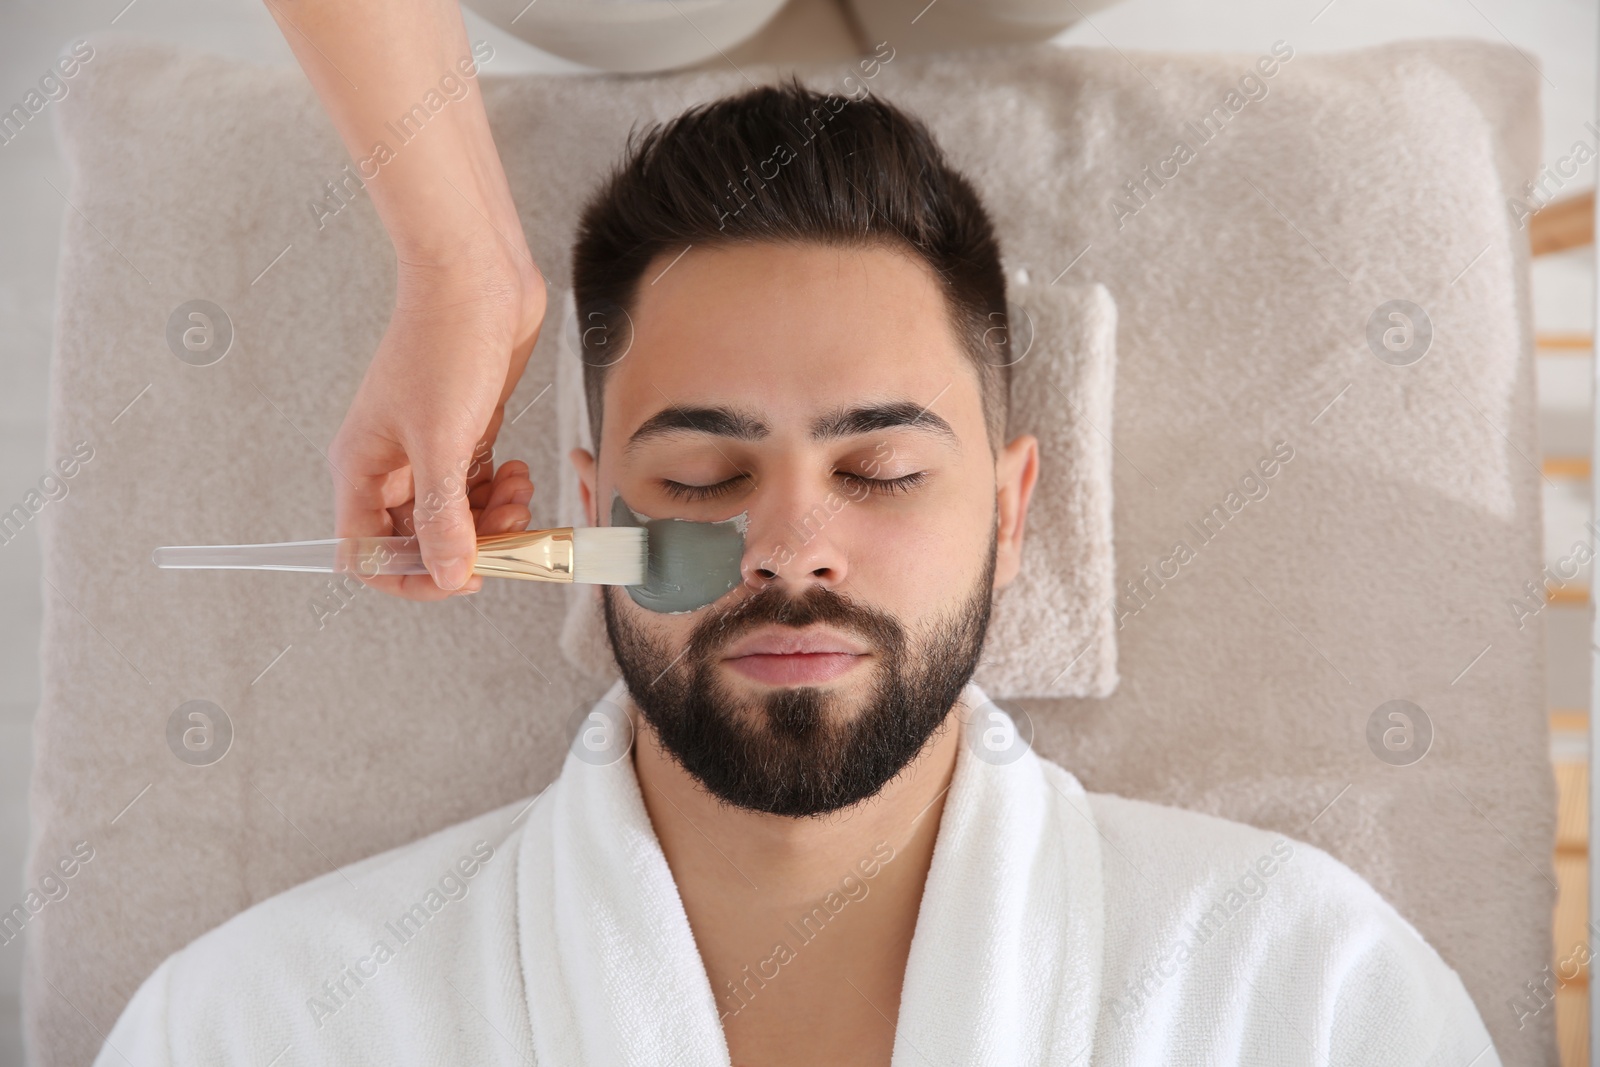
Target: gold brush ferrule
x,y
533,555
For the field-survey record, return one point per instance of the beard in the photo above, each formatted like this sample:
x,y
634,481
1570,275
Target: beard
x,y
796,751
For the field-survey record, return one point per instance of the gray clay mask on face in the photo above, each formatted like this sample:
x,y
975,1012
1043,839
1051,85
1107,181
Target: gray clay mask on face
x,y
692,564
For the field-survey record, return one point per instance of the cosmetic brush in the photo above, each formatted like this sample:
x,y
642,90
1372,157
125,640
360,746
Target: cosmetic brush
x,y
594,555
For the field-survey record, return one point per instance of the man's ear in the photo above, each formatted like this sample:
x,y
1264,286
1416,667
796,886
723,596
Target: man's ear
x,y
1016,470
584,464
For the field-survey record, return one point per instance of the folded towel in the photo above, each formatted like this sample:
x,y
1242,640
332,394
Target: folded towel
x,y
1056,927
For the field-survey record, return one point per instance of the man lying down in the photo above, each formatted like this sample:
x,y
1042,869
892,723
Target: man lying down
x,y
773,845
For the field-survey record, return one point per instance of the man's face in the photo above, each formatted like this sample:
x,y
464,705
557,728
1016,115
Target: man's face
x,y
823,393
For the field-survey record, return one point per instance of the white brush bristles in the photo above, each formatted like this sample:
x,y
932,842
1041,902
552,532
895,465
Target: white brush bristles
x,y
610,555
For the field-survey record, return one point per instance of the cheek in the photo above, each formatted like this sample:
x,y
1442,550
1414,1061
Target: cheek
x,y
665,630
912,560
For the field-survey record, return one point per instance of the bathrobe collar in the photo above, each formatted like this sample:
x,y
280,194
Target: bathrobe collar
x,y
1005,960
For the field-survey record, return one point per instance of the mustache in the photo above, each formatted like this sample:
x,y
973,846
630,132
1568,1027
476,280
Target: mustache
x,y
773,606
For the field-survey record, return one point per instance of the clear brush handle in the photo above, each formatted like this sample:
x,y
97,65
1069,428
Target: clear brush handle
x,y
336,555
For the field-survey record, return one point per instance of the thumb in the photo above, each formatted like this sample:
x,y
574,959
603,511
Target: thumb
x,y
442,517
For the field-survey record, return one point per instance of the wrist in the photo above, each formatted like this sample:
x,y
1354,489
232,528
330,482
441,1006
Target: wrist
x,y
502,284
451,212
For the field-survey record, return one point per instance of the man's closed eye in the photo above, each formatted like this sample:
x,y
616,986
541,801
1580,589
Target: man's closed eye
x,y
887,486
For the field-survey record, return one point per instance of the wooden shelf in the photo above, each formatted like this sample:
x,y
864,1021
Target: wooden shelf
x,y
1564,224
1572,900
1574,468
1559,226
1565,344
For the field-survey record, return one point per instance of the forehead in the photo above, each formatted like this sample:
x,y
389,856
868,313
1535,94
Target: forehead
x,y
790,330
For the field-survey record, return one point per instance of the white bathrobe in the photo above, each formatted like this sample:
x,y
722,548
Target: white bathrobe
x,y
1056,927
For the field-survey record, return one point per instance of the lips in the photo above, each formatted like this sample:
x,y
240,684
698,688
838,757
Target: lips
x,y
786,656
787,641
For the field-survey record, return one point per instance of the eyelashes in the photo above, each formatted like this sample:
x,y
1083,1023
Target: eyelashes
x,y
884,486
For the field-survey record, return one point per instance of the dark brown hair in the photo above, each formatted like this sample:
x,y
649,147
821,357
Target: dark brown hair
x,y
783,164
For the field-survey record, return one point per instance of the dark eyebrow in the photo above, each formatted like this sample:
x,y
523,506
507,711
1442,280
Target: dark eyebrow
x,y
847,422
842,422
716,421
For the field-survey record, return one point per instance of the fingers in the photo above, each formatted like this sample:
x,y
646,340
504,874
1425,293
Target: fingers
x,y
442,516
502,506
509,485
363,468
480,468
414,454
498,502
509,518
422,586
368,470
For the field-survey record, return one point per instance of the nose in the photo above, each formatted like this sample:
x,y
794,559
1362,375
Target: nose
x,y
794,539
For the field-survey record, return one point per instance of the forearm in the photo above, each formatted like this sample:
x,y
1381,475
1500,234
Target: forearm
x,y
433,173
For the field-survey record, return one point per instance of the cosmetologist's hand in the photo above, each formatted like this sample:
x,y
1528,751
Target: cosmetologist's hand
x,y
416,447
418,438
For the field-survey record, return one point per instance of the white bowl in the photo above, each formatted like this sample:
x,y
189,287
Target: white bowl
x,y
631,36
